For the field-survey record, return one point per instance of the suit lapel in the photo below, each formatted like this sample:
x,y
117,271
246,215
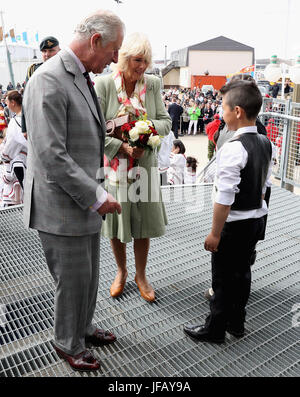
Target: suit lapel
x,y
80,82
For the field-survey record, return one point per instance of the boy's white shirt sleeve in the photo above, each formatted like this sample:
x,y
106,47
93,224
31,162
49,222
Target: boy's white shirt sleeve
x,y
231,159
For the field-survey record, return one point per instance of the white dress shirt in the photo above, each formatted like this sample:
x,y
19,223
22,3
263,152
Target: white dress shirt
x,y
231,159
103,197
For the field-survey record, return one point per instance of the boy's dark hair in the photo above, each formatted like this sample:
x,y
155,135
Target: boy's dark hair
x,y
245,94
179,144
191,162
242,76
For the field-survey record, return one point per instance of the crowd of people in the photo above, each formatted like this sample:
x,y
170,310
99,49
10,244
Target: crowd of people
x,y
13,136
191,109
13,152
5,112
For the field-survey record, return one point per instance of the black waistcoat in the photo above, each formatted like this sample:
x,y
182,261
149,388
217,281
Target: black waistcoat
x,y
254,175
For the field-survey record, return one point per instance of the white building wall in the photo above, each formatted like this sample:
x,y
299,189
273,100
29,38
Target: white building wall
x,y
19,69
218,63
185,77
172,78
21,59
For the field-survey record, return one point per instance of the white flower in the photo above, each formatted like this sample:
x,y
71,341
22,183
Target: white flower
x,y
142,127
134,134
154,141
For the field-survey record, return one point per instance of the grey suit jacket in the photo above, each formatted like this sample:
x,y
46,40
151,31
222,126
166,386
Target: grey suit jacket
x,y
65,150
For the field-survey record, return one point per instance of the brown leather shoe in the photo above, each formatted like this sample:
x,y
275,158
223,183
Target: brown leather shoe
x,y
100,338
84,361
148,296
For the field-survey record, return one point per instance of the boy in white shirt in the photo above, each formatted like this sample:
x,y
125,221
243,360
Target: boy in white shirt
x,y
243,172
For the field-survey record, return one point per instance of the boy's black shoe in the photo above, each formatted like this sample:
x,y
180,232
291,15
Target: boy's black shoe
x,y
209,293
237,331
202,334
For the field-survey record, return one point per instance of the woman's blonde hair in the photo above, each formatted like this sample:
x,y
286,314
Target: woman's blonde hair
x,y
135,44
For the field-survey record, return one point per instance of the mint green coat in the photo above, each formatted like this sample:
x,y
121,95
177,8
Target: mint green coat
x,y
145,218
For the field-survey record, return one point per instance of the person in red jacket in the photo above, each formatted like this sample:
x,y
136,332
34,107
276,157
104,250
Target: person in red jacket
x,y
272,131
211,129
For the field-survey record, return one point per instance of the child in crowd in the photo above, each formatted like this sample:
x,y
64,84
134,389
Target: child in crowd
x,y
211,129
244,168
190,170
175,173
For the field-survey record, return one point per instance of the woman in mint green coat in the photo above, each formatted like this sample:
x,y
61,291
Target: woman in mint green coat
x,y
128,91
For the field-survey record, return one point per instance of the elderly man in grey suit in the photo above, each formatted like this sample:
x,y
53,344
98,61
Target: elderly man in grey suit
x,y
64,200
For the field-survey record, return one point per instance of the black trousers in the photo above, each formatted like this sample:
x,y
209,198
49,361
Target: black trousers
x,y
231,274
200,125
19,172
175,126
267,200
184,127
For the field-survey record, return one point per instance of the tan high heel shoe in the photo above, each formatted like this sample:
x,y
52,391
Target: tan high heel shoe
x,y
117,288
148,296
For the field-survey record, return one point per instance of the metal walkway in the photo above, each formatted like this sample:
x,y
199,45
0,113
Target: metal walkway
x,y
151,341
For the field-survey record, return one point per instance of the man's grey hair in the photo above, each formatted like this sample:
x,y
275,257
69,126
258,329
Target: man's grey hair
x,y
106,23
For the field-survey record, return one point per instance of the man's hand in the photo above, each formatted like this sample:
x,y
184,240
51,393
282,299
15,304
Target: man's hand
x,y
109,206
212,242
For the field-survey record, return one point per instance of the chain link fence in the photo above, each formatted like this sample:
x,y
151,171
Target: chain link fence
x,y
282,121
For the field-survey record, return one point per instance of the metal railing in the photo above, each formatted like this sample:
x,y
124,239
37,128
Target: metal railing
x,y
282,121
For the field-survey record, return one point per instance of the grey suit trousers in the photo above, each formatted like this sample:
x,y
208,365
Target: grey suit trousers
x,y
74,265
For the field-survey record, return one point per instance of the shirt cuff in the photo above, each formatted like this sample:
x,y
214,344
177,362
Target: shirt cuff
x,y
225,198
98,203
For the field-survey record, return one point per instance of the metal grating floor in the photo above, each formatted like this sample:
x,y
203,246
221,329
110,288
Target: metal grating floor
x,y
151,341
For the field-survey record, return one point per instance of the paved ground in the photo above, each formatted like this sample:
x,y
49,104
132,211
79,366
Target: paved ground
x,y
151,341
196,146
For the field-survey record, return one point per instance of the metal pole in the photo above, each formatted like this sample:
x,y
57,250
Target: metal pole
x,y
285,48
166,55
7,53
283,68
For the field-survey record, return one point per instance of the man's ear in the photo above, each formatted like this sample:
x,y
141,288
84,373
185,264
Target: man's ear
x,y
96,41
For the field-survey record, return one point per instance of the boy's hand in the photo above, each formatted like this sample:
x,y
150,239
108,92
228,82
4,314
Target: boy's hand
x,y
212,242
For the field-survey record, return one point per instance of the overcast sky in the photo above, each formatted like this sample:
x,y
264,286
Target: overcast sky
x,y
261,24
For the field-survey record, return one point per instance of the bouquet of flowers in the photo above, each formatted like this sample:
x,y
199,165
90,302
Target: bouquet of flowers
x,y
141,133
